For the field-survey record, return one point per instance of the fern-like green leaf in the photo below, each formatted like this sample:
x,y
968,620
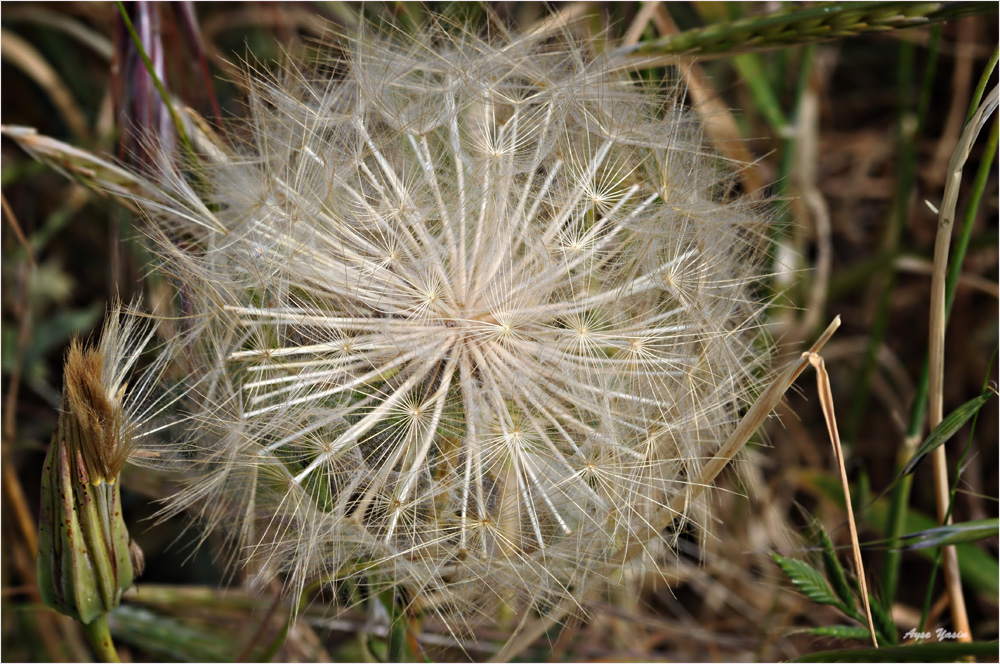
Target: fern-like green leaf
x,y
808,580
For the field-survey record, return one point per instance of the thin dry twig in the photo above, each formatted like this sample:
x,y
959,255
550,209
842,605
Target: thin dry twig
x,y
16,227
961,91
829,414
754,418
918,265
560,19
189,24
64,23
27,58
942,244
805,178
720,125
642,19
261,629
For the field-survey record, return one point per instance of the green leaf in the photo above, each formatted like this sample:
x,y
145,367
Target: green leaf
x,y
948,427
752,70
984,80
171,639
923,652
841,632
955,533
835,573
48,334
979,569
884,625
808,580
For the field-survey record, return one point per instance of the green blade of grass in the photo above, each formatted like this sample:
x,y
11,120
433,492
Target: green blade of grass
x,y
169,638
984,80
797,25
948,428
847,632
979,569
975,197
884,625
752,70
835,573
900,499
955,533
922,652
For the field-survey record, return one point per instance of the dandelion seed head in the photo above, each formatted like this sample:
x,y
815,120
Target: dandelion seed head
x,y
469,315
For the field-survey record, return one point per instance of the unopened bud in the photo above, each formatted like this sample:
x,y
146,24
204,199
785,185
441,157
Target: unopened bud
x,y
85,558
83,544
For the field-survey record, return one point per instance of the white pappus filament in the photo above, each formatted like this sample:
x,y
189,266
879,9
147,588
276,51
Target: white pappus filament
x,y
469,315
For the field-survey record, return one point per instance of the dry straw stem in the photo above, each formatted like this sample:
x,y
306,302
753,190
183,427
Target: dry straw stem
x,y
925,267
645,15
70,27
49,624
942,245
27,58
78,164
829,414
751,421
18,233
805,177
720,124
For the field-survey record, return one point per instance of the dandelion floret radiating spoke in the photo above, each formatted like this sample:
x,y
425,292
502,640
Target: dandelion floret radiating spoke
x,y
465,316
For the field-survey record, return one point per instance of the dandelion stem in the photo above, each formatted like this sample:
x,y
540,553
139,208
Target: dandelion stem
x,y
99,635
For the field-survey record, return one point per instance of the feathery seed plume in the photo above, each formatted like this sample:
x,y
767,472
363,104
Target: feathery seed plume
x,y
468,315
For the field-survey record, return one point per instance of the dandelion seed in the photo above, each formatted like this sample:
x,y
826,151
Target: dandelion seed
x,y
467,315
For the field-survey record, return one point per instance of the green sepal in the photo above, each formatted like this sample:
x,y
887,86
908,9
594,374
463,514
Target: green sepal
x,y
83,544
